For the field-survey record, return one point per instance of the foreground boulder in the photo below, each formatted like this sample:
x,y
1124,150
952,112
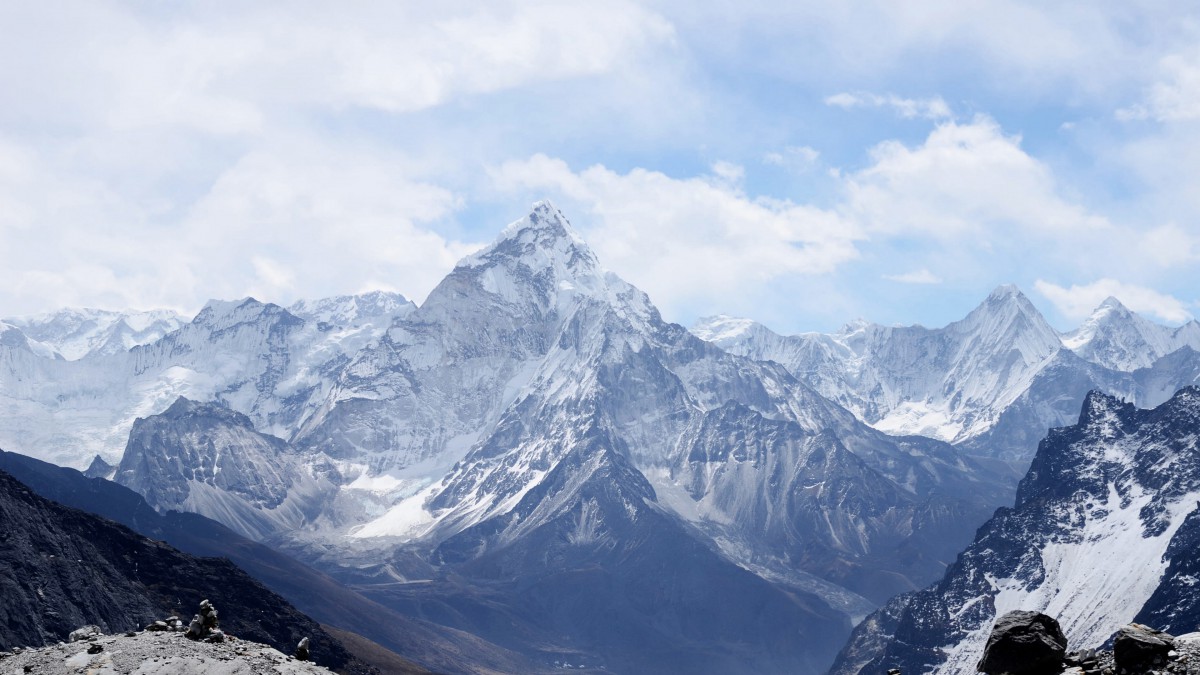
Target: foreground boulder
x,y
1139,648
1024,643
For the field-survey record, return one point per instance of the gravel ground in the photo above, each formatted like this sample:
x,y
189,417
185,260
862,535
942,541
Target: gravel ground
x,y
154,653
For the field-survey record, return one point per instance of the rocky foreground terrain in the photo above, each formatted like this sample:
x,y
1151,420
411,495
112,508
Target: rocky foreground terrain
x,y
1032,643
154,653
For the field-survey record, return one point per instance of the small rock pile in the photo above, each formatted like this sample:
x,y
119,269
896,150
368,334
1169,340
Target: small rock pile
x,y
171,623
204,625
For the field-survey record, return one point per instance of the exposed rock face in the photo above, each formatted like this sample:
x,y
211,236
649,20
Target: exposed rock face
x,y
317,595
208,459
1103,531
1024,643
61,568
1139,648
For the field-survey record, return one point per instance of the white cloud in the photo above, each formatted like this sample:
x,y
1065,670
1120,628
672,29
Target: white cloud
x,y
1082,50
965,180
1078,301
928,108
795,157
921,276
192,152
234,70
1175,96
304,219
1169,245
687,240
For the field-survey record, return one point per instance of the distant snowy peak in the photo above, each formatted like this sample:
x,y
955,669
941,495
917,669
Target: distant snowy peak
x,y
540,266
76,333
949,383
1117,338
351,310
960,383
722,329
1007,318
13,338
540,252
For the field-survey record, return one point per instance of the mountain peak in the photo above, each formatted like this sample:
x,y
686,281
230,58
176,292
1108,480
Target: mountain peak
x,y
544,220
1008,301
540,239
722,328
541,248
1006,292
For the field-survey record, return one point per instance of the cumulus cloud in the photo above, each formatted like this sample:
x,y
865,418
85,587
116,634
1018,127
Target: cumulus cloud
x,y
965,179
229,71
1175,95
1078,301
921,276
195,152
685,240
299,220
928,108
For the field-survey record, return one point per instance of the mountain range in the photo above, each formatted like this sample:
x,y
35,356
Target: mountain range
x,y
533,457
992,383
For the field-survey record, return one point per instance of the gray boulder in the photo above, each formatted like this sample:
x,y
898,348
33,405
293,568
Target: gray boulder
x,y
1024,643
1139,648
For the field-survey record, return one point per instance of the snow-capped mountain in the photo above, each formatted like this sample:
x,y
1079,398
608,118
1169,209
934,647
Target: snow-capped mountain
x,y
1103,532
76,333
254,357
207,459
991,383
1119,339
533,440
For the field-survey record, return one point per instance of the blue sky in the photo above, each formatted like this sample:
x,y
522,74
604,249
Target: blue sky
x,y
800,163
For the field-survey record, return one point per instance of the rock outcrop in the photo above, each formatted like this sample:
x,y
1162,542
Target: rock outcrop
x,y
61,568
1024,643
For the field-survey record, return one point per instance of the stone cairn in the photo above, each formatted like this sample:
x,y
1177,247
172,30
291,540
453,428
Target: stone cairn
x,y
204,625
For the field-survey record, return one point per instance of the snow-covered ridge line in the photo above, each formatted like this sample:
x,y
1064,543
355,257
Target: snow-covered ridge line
x,y
1103,533
959,383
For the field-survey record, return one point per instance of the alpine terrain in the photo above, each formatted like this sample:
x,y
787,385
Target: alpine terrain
x,y
531,456
992,383
1104,532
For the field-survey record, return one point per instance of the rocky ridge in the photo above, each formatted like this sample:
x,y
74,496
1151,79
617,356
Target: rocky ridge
x,y
1102,534
61,568
991,383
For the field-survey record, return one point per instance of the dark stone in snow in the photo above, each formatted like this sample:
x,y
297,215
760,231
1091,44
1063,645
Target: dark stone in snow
x,y
1024,643
1138,648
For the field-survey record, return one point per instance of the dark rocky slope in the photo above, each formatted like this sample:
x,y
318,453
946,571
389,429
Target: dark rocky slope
x,y
61,568
1105,530
319,596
